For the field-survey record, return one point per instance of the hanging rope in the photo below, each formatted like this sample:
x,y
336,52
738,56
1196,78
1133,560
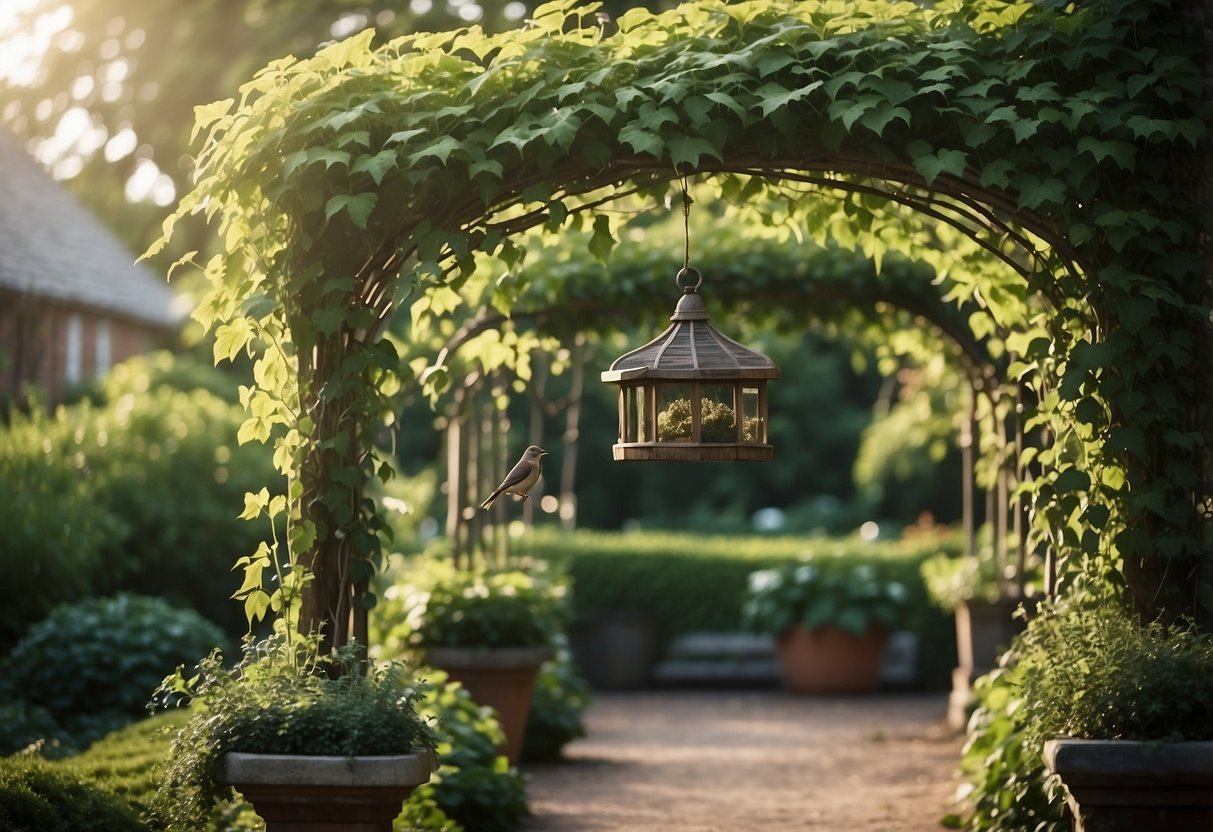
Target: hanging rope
x,y
686,225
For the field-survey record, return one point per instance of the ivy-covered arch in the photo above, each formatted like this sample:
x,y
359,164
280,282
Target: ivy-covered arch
x,y
1055,137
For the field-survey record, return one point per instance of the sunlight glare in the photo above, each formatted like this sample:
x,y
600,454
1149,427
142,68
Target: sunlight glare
x,y
22,46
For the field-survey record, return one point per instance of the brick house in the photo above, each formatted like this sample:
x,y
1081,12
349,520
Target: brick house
x,y
73,302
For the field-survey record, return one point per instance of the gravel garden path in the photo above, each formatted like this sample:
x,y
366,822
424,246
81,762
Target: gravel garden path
x,y
768,761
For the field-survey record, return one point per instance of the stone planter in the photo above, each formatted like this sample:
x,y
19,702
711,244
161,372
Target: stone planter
x,y
502,678
1122,786
984,629
327,794
830,660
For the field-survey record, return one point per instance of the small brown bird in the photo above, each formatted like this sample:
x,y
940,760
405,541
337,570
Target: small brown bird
x,y
521,478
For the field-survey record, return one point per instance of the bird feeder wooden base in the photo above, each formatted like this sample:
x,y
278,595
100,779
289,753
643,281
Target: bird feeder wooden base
x,y
670,452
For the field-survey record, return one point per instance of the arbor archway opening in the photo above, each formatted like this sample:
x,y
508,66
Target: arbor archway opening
x,y
364,177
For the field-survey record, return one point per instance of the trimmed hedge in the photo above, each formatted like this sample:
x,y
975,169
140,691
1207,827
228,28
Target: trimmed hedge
x,y
695,583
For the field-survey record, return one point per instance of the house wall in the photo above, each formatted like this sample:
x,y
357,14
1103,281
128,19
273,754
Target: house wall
x,y
60,347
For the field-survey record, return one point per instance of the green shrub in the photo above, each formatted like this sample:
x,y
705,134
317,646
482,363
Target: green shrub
x,y
95,664
54,527
36,796
951,580
128,762
1083,669
139,493
555,719
474,785
693,582
472,781
166,462
24,725
433,604
1006,781
1093,671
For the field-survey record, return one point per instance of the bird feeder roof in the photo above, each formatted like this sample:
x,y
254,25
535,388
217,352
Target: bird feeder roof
x,y
691,348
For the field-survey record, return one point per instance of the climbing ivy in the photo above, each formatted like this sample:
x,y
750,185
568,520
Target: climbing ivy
x,y
1051,135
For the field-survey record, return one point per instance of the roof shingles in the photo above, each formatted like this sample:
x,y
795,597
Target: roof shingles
x,y
51,246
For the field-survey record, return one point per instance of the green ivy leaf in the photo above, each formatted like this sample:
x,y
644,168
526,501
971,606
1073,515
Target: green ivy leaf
x,y
642,140
773,97
1123,153
933,165
1035,192
562,128
358,207
440,149
686,151
602,242
877,119
232,338
1072,480
206,115
377,166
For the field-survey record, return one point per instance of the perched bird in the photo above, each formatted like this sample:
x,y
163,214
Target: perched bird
x,y
521,478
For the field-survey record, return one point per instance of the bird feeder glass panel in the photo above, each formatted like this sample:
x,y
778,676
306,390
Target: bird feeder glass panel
x,y
753,409
692,393
674,416
634,419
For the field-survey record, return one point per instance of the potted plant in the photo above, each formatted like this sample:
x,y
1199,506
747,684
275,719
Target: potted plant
x,y
983,599
830,621
297,736
1123,712
489,630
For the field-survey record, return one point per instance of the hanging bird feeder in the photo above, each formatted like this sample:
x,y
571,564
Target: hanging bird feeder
x,y
692,393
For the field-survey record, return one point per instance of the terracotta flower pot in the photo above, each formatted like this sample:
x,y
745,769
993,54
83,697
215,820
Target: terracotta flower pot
x,y
327,794
1124,786
830,660
502,678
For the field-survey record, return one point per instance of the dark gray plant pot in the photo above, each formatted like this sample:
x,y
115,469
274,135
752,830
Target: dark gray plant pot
x,y
1123,786
984,629
616,652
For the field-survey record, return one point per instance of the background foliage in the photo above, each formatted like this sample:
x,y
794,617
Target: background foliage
x,y
137,491
93,665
